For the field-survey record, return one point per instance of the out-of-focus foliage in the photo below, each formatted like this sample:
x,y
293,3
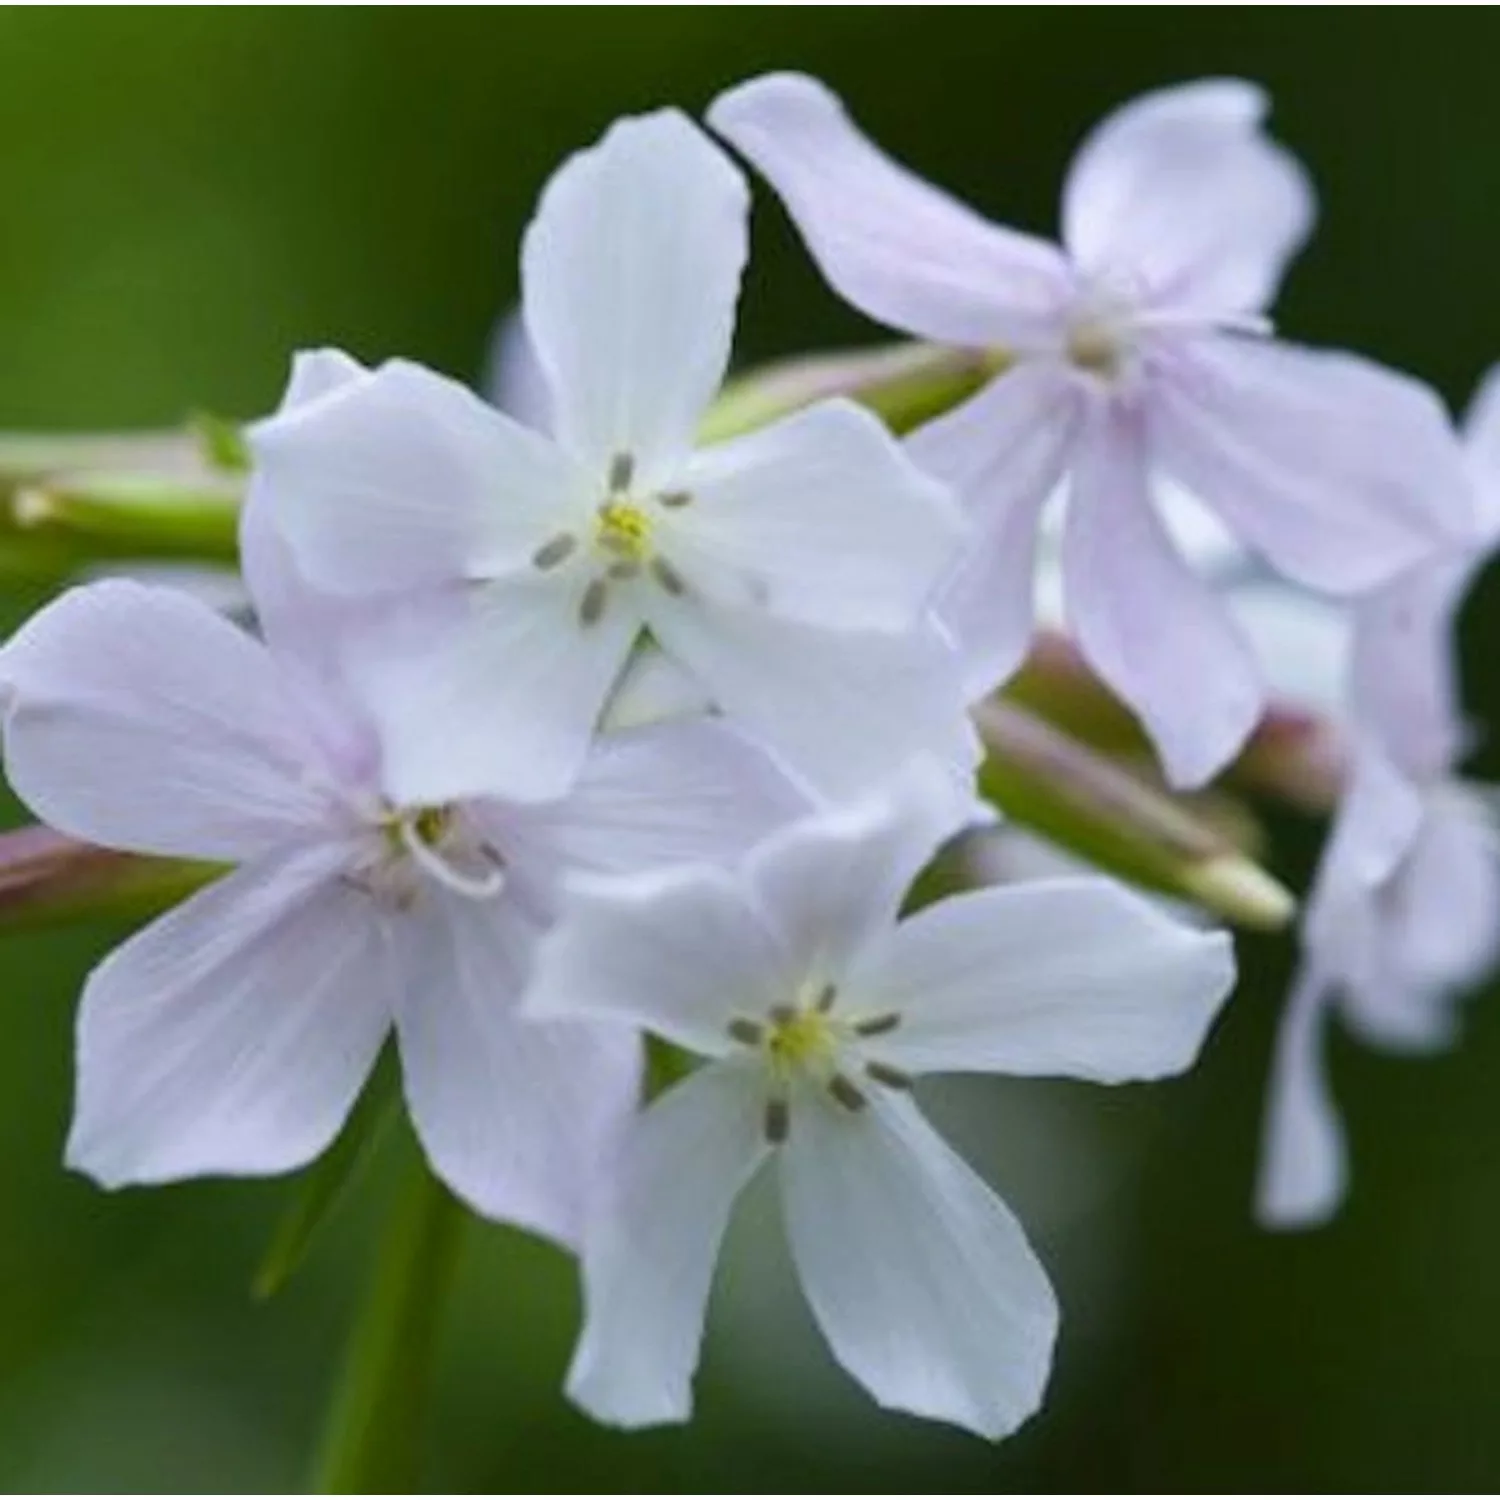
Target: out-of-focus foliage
x,y
190,195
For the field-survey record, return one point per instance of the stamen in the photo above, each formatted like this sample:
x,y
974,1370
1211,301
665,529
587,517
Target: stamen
x,y
749,1032
591,606
878,1025
488,882
892,1078
624,570
778,1120
667,576
846,1093
621,471
676,499
783,1015
558,550
826,996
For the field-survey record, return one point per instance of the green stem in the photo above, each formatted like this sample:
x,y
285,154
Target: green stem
x,y
372,1441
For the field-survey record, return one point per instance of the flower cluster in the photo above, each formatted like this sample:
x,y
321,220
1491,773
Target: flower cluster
x,y
562,727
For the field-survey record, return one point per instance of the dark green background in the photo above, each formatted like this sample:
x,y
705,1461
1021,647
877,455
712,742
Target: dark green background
x,y
185,198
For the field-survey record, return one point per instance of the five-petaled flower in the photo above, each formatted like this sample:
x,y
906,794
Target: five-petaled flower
x,y
790,571
817,1010
232,1035
1137,359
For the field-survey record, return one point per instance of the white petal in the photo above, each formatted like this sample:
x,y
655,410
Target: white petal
x,y
140,719
681,953
1004,452
1180,188
404,479
1073,977
1303,1164
821,517
696,792
833,884
514,382
516,1116
493,691
631,270
1449,897
897,248
1144,621
1339,472
232,1035
1482,451
1405,669
842,709
652,689
919,1276
649,1256
1302,640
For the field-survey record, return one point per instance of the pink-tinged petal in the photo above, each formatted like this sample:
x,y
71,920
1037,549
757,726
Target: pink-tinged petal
x,y
1404,668
494,691
649,1255
405,479
832,885
139,719
919,1276
631,271
516,1116
1150,628
1304,1165
1339,472
514,381
696,792
842,709
1181,189
1481,436
682,953
1004,452
1303,641
899,249
231,1036
1070,978
819,517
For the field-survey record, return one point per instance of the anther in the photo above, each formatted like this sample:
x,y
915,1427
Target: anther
x,y
748,1032
846,1093
877,1025
558,550
591,606
676,499
778,1121
783,1015
621,471
892,1078
667,576
826,996
624,570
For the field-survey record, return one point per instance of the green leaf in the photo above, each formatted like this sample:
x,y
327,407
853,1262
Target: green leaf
x,y
321,1189
372,1439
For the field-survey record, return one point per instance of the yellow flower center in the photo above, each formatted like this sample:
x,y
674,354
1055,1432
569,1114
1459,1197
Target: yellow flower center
x,y
624,530
800,1038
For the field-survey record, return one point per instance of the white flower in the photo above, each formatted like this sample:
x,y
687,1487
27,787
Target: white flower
x,y
790,571
1405,910
816,1010
232,1035
1137,361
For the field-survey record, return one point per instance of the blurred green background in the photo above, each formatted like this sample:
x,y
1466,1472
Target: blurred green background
x,y
187,197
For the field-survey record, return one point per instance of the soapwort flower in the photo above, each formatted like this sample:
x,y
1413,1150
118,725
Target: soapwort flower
x,y
1404,914
816,1011
1133,356
790,571
233,1034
